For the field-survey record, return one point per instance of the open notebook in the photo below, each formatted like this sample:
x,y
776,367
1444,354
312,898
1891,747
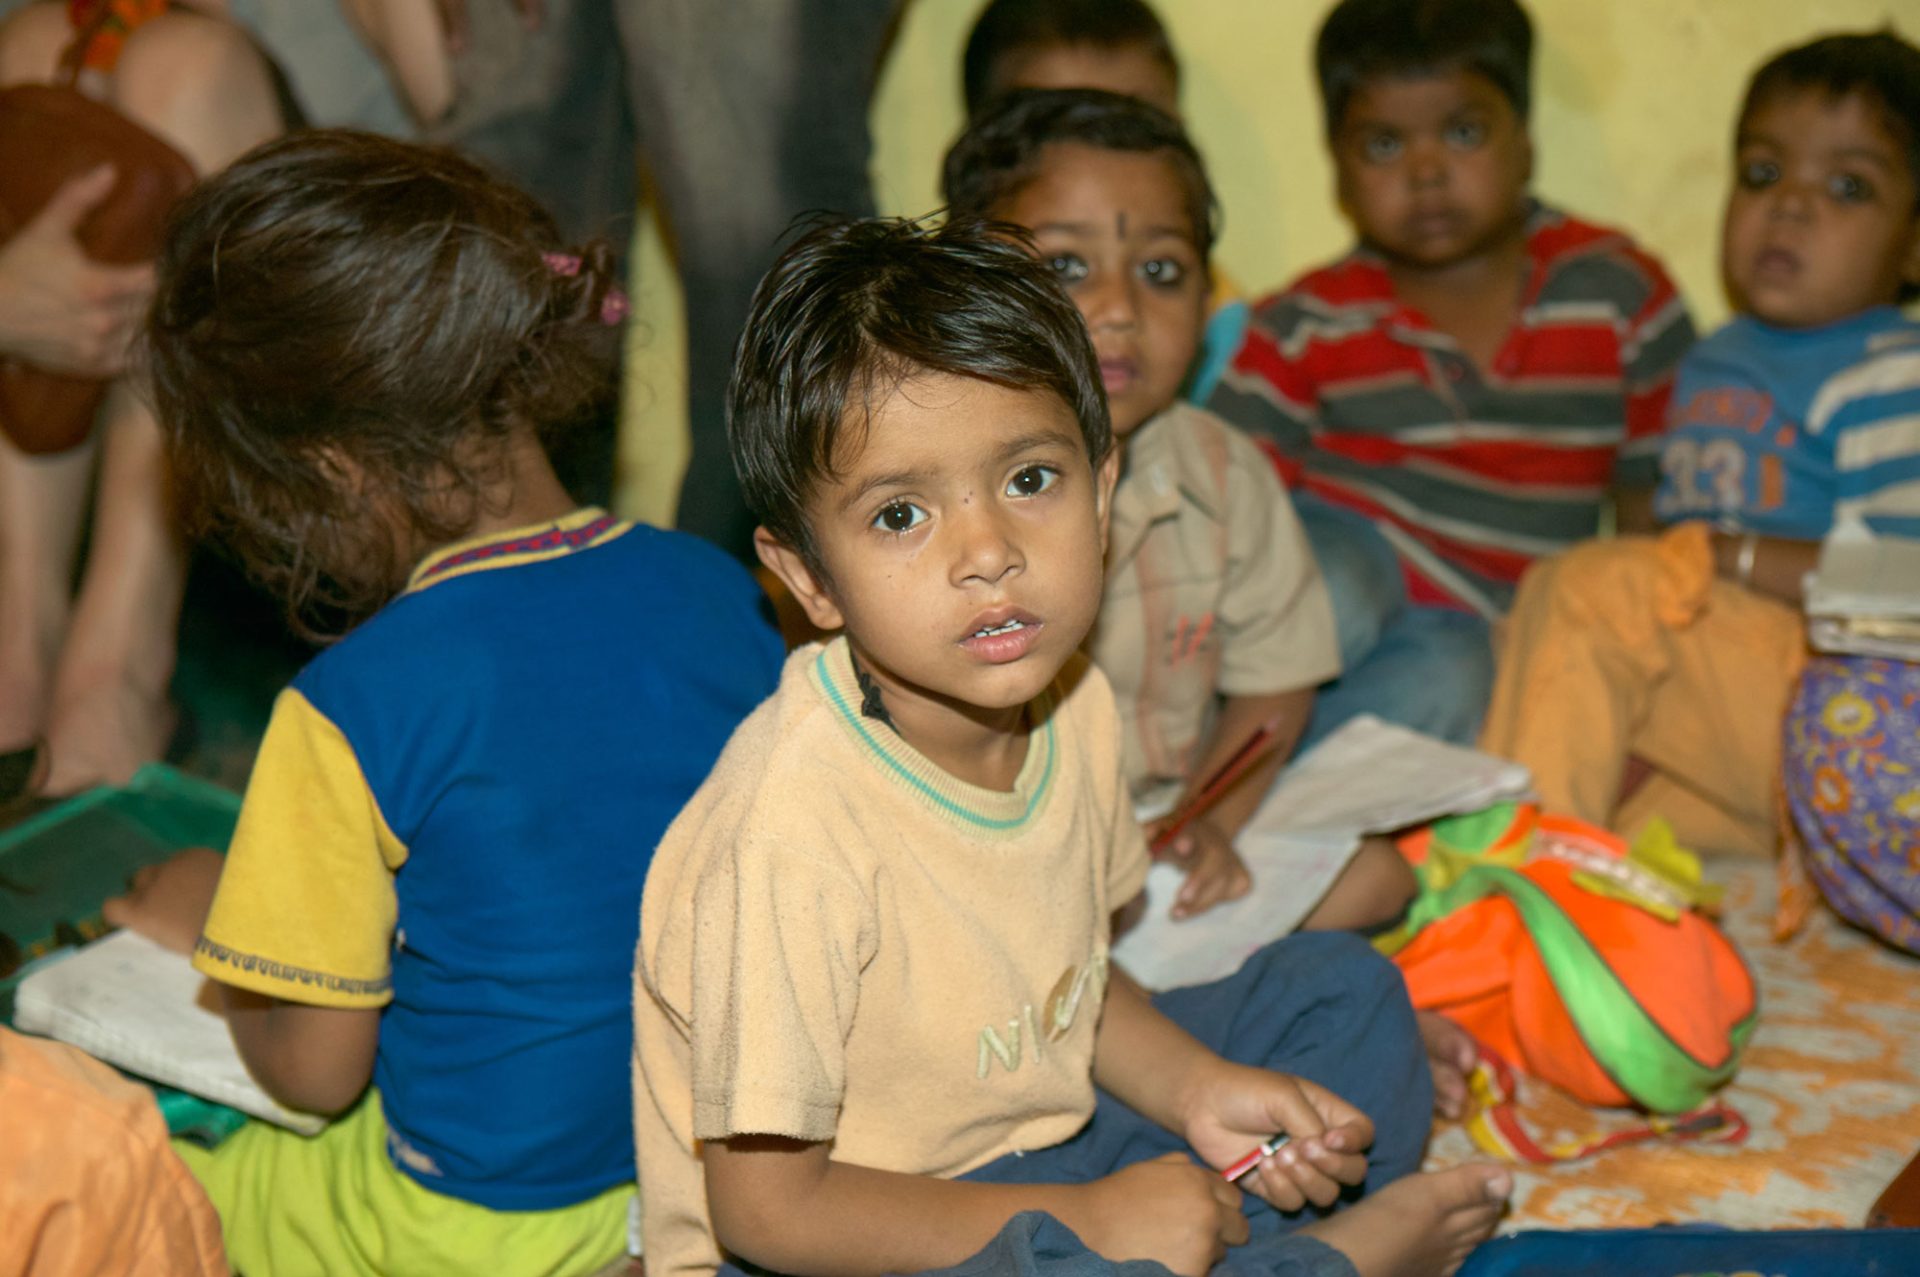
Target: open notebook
x,y
1368,777
136,1005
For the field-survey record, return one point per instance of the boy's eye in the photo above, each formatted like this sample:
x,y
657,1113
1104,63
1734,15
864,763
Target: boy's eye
x,y
1757,175
1164,271
1379,148
899,516
1466,134
1849,189
1032,481
1070,267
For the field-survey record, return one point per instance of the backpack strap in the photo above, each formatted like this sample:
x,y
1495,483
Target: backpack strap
x,y
1497,1129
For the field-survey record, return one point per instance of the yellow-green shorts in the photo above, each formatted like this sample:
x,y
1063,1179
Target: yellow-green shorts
x,y
334,1205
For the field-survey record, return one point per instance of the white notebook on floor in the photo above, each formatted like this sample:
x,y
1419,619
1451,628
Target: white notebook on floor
x,y
126,1000
1368,777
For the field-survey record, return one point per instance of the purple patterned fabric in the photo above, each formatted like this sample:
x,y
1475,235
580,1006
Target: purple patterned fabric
x,y
1852,771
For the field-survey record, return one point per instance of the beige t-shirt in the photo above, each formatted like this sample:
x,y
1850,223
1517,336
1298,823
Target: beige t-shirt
x,y
1212,591
839,941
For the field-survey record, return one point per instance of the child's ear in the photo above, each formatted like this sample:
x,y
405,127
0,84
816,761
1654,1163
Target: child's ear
x,y
1103,480
1910,268
785,562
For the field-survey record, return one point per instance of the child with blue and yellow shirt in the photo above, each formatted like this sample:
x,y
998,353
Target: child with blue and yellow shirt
x,y
426,919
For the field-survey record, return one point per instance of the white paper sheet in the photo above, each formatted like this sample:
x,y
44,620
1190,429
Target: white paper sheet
x,y
1368,777
1863,575
133,1004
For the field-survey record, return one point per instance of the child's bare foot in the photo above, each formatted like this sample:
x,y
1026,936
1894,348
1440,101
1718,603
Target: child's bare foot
x,y
1421,1226
1451,1055
103,735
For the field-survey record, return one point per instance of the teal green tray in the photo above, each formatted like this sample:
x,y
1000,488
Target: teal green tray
x,y
57,868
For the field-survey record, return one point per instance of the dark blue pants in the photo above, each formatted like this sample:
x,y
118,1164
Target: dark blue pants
x,y
1321,1005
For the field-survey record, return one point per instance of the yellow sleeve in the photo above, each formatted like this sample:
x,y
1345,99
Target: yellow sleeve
x,y
1275,610
306,906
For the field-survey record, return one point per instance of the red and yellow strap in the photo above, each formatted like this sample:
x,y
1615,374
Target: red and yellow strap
x,y
1495,1126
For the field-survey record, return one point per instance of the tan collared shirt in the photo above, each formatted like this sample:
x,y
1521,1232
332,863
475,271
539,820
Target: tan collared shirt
x,y
1212,591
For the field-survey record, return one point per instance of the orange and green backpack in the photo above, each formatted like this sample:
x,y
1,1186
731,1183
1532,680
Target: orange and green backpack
x,y
1582,961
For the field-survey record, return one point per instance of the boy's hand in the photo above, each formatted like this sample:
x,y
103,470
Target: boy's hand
x,y
1215,872
1235,1108
168,902
1169,1209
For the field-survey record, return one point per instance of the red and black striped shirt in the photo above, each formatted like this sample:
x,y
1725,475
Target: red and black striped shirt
x,y
1471,472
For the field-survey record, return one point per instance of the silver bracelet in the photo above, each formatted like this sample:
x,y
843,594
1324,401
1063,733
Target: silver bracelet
x,y
1743,561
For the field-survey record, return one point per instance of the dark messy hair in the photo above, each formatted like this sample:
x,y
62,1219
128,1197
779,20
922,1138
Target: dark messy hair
x,y
347,332
1000,152
1364,40
852,309
1878,67
1006,29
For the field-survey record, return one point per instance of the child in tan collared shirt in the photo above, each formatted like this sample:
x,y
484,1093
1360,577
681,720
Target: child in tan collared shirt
x,y
1215,620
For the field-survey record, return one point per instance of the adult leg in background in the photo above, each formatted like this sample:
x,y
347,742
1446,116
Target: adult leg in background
x,y
201,85
750,114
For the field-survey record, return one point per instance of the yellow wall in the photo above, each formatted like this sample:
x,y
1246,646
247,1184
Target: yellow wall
x,y
1634,106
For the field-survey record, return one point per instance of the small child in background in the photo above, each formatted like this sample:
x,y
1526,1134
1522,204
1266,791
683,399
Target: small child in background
x,y
1214,621
873,994
1462,392
1803,411
356,348
1116,45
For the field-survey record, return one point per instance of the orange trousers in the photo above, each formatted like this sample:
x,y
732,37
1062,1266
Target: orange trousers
x,y
1633,648
88,1181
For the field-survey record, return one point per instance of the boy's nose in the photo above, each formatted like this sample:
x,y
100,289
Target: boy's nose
x,y
985,549
1792,201
1427,166
1109,303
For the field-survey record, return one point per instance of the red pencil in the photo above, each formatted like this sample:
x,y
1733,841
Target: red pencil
x,y
1256,747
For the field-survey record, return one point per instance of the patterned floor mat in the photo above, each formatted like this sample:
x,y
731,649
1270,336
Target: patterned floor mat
x,y
1831,1086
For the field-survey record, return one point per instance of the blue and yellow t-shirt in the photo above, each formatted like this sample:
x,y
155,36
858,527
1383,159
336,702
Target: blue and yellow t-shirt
x,y
452,816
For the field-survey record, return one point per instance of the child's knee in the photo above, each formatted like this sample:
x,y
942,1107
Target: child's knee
x,y
1339,966
199,82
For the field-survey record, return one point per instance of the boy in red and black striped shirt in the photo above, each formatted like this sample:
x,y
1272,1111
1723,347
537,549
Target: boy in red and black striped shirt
x,y
1461,393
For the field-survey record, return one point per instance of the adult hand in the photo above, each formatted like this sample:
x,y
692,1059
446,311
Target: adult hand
x,y
60,309
453,17
1168,1209
1234,1108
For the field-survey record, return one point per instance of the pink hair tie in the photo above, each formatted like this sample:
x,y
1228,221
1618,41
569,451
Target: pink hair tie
x,y
614,307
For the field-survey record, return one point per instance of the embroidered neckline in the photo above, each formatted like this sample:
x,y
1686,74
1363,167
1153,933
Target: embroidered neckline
x,y
583,528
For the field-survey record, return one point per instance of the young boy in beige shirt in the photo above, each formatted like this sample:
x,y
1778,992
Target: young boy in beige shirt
x,y
875,1018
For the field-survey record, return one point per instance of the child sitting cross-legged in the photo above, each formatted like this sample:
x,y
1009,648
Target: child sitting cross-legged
x,y
1645,677
1214,621
426,919
875,1017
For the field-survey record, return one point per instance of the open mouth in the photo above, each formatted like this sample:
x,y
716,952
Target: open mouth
x,y
1001,636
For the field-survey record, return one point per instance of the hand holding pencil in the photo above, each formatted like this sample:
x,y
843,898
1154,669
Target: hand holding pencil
x,y
1215,872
